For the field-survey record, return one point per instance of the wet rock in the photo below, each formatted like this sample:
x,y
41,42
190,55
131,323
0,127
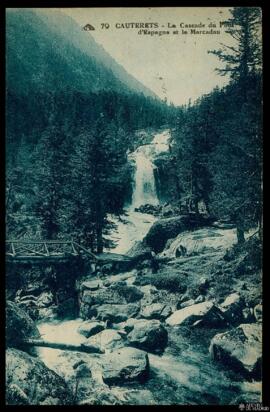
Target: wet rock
x,y
203,314
240,349
258,313
116,313
29,381
168,228
232,308
108,339
150,209
149,335
125,365
19,326
88,329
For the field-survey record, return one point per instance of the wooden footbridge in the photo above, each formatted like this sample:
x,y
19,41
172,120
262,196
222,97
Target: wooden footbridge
x,y
48,251
45,250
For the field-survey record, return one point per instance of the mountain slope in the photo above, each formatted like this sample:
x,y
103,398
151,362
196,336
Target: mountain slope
x,y
48,51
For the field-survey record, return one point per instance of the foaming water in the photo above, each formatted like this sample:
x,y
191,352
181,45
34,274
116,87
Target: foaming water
x,y
58,331
135,225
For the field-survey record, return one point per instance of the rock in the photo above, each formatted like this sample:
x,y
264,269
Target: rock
x,y
187,303
258,313
102,296
128,325
106,340
199,299
149,335
184,298
19,326
49,313
45,299
240,349
129,293
88,329
30,307
168,228
203,285
232,308
91,285
156,311
139,252
125,365
116,313
29,381
150,209
248,315
116,293
206,312
170,210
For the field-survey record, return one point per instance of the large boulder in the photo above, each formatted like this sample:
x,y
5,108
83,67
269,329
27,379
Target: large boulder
x,y
117,293
129,293
30,382
232,308
139,252
149,335
156,311
201,314
125,365
108,339
88,328
19,326
168,228
102,296
240,349
116,313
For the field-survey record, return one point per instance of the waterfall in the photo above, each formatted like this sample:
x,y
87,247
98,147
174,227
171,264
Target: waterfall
x,y
144,191
135,225
145,188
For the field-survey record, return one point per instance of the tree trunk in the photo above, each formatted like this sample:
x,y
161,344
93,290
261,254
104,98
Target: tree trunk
x,y
61,345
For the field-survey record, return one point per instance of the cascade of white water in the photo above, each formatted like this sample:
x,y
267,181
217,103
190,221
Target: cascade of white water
x,y
145,188
136,224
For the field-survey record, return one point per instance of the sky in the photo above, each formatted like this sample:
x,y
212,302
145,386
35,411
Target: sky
x,y
175,67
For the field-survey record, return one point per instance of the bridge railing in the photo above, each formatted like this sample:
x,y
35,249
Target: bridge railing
x,y
44,248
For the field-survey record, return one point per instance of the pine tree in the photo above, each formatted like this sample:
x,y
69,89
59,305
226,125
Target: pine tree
x,y
245,57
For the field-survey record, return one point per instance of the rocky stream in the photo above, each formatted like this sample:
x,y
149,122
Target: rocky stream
x,y
178,323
